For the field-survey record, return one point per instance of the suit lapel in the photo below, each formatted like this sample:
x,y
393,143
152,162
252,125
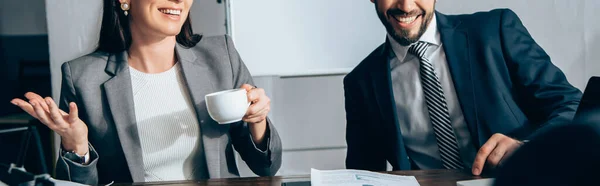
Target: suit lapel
x,y
120,100
382,86
195,71
455,42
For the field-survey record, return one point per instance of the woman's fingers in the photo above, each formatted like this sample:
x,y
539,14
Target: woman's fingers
x,y
33,96
25,106
73,112
42,114
55,114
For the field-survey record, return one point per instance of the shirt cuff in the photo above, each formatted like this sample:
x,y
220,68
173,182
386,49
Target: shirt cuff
x,y
267,140
82,160
86,158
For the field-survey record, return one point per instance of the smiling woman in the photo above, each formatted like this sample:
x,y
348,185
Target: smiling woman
x,y
115,34
134,110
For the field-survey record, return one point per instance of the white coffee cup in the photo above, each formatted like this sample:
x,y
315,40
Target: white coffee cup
x,y
227,106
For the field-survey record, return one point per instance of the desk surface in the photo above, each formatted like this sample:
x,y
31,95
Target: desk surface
x,y
16,119
425,178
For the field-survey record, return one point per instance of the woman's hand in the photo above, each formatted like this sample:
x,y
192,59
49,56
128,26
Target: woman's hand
x,y
256,115
73,132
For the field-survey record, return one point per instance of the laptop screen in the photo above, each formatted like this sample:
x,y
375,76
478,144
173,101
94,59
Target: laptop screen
x,y
589,107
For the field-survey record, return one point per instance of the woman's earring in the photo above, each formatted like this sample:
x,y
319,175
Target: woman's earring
x,y
125,8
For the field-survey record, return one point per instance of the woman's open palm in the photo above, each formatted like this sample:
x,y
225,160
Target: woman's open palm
x,y
72,130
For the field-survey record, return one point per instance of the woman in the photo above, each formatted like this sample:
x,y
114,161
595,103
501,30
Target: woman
x,y
136,109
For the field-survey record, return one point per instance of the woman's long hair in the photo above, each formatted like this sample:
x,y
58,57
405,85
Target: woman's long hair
x,y
115,34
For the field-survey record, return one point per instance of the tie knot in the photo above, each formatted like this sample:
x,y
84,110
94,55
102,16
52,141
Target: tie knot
x,y
418,49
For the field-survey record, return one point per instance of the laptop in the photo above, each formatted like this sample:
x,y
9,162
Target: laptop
x,y
588,111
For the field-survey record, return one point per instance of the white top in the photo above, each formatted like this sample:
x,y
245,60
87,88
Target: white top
x,y
413,116
167,126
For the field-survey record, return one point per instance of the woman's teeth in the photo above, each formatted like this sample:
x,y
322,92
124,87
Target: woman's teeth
x,y
170,11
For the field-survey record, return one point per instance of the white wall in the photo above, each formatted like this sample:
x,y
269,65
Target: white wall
x,y
294,37
14,13
73,31
566,29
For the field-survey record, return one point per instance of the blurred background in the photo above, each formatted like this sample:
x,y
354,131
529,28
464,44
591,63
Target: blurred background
x,y
297,50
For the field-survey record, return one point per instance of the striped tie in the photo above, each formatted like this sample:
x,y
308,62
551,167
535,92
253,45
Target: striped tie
x,y
438,110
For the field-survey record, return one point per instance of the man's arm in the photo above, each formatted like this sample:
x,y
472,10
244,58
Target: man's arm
x,y
361,153
547,98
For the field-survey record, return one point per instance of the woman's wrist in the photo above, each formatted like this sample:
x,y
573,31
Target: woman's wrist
x,y
79,148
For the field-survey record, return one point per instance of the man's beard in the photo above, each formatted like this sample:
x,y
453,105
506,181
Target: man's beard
x,y
402,36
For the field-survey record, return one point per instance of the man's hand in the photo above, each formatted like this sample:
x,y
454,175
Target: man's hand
x,y
498,148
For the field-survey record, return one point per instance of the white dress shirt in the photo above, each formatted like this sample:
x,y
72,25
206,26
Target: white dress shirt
x,y
413,116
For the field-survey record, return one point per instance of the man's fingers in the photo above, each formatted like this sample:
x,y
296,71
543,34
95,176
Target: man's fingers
x,y
482,155
496,156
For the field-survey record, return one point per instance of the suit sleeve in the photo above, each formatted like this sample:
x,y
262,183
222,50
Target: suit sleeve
x,y
65,168
547,98
361,153
263,162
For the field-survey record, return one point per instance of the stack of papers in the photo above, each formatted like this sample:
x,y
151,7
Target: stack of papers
x,y
479,182
350,177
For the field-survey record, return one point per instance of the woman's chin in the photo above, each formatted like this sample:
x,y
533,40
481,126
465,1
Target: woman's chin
x,y
170,32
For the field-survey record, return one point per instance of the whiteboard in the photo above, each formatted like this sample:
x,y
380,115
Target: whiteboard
x,y
300,37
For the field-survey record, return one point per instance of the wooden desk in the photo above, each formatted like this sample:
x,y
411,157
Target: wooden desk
x,y
425,178
17,119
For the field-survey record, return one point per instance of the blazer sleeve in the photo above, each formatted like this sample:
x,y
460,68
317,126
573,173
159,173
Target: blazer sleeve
x,y
263,162
546,97
361,153
65,168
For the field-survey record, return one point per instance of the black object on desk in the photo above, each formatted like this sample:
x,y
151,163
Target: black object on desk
x,y
12,142
296,183
15,174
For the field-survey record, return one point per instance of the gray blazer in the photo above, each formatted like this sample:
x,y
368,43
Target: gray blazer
x,y
100,85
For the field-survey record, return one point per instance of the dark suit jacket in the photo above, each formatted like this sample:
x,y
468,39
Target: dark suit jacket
x,y
100,85
505,83
561,155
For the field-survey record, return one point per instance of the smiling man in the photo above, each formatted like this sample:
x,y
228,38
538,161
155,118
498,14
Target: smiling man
x,y
450,91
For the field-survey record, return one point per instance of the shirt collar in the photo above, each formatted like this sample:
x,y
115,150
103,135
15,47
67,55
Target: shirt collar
x,y
431,35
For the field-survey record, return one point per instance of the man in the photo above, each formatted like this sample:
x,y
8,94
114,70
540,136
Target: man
x,y
450,91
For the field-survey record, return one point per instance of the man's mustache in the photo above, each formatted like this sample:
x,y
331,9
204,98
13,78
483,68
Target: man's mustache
x,y
398,12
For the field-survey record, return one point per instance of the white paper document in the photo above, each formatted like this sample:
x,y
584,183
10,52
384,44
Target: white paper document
x,y
479,182
350,177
